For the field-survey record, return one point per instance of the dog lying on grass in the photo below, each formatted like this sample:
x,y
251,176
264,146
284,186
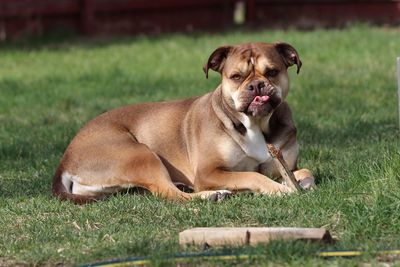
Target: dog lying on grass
x,y
215,144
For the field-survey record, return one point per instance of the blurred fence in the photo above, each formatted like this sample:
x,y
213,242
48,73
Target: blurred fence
x,y
307,14
108,17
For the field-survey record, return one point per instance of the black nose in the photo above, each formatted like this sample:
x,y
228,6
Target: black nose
x,y
256,85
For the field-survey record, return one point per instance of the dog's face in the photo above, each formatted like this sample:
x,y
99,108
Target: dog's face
x,y
254,76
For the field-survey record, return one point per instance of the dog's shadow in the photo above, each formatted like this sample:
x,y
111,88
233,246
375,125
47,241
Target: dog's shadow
x,y
328,144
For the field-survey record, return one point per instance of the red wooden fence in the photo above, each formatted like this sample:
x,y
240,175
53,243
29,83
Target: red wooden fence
x,y
105,17
27,17
314,13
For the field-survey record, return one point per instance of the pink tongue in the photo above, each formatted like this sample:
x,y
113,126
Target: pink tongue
x,y
261,99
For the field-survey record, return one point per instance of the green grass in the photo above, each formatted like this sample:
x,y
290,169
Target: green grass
x,y
345,108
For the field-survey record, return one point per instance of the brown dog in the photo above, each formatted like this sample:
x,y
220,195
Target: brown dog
x,y
213,142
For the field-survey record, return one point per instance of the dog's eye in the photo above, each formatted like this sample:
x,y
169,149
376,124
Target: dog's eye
x,y
271,73
236,77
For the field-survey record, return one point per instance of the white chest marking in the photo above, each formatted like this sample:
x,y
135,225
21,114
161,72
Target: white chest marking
x,y
254,144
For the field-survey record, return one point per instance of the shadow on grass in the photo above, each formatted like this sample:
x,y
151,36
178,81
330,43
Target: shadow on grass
x,y
60,41
64,40
355,133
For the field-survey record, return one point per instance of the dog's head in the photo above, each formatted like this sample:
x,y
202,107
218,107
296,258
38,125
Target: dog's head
x,y
254,75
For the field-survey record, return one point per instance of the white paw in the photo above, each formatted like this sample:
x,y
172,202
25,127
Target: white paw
x,y
286,190
278,190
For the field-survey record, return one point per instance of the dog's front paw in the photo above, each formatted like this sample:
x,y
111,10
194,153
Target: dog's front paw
x,y
216,196
305,178
285,190
307,183
277,190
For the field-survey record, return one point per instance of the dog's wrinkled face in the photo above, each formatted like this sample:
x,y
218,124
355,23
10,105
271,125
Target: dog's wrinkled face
x,y
254,76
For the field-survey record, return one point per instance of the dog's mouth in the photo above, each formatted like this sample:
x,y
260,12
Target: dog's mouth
x,y
261,105
259,101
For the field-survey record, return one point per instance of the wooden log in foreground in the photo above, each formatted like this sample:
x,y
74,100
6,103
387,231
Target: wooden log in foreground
x,y
239,236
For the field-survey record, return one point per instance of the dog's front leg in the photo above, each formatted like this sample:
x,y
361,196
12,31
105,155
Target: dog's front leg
x,y
239,181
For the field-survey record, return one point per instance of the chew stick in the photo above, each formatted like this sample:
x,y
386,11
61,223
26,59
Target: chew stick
x,y
284,170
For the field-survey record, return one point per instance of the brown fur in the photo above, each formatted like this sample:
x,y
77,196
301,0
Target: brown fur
x,y
199,142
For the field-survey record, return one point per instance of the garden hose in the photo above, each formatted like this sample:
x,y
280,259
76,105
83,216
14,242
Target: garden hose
x,y
141,261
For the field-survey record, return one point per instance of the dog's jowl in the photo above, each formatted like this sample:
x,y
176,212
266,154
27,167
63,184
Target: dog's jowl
x,y
215,143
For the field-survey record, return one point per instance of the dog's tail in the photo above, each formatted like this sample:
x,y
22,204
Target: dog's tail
x,y
62,188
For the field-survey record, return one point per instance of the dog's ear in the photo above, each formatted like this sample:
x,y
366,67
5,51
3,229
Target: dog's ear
x,y
217,59
289,55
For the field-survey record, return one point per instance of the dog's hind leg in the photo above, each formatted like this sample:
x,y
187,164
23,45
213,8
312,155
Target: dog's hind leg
x,y
158,181
118,166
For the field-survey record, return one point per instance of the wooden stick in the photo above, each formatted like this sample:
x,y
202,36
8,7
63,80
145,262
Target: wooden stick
x,y
284,170
239,236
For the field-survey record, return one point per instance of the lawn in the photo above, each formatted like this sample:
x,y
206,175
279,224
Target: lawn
x,y
345,107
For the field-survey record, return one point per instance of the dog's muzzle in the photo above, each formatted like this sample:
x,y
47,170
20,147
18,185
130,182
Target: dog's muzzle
x,y
262,98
